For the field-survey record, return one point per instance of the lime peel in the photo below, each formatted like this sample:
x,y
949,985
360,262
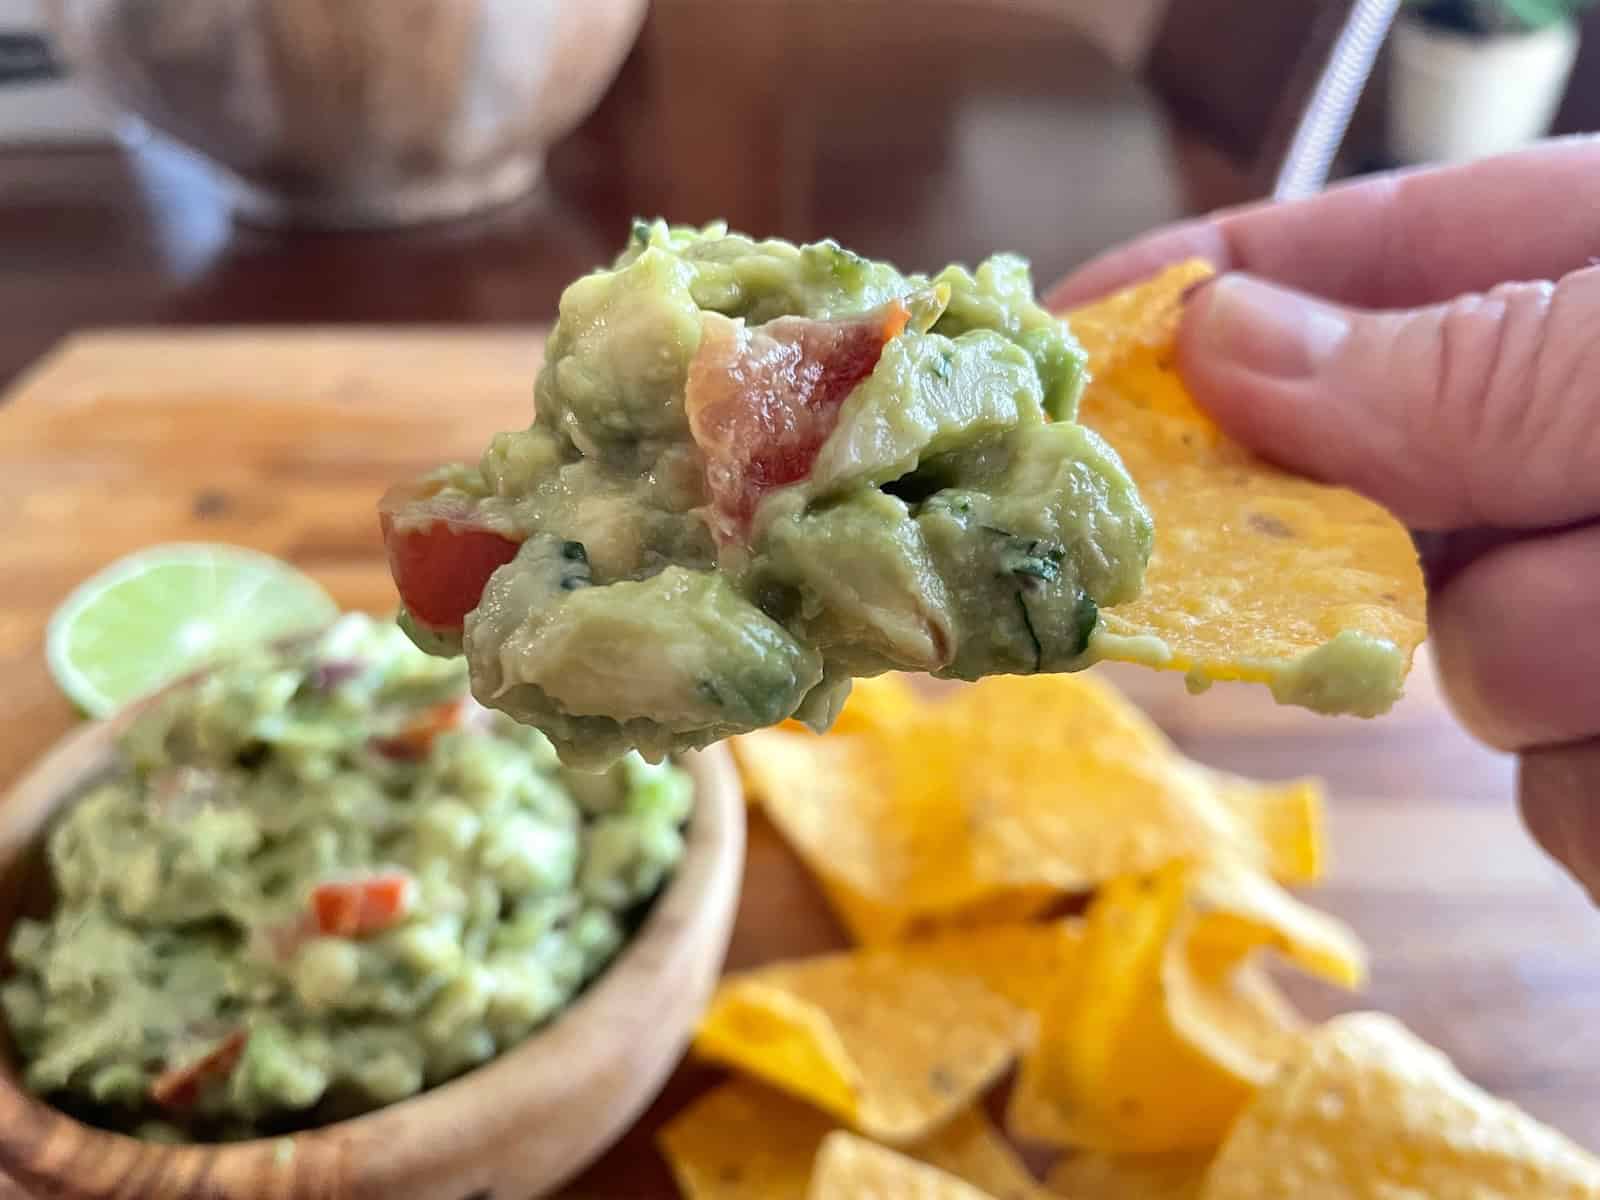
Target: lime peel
x,y
160,612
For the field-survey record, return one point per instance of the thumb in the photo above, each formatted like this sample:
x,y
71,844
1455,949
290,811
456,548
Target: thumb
x,y
1480,412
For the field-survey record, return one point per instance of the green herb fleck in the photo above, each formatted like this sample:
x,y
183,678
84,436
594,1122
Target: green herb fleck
x,y
1027,623
1088,616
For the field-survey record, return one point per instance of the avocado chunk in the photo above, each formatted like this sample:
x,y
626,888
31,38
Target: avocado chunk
x,y
674,660
862,583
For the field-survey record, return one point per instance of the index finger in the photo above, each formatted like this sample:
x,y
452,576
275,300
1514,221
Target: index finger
x,y
1390,241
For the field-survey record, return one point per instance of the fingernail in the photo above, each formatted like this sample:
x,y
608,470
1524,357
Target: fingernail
x,y
1265,329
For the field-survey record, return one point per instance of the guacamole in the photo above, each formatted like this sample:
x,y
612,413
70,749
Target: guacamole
x,y
757,470
322,880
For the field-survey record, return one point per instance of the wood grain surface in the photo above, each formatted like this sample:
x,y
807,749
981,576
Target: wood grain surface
x,y
283,440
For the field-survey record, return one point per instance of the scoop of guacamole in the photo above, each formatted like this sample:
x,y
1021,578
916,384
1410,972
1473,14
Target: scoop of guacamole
x,y
322,880
757,470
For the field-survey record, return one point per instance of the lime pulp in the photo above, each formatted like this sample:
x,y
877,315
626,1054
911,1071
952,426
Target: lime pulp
x,y
159,613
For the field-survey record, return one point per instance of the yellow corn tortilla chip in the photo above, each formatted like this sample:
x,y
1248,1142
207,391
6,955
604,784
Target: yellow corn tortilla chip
x,y
972,1149
1287,819
989,805
1030,964
1228,1014
1236,910
877,703
1364,1110
1090,1175
851,1168
886,855
1256,574
745,1141
1171,1022
1110,1072
890,1048
1276,825
1138,322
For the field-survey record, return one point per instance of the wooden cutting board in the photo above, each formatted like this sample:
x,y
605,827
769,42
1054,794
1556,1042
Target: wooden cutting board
x,y
284,439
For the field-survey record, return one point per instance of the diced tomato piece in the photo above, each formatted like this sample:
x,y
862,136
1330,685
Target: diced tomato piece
x,y
440,554
761,401
350,908
179,1087
415,738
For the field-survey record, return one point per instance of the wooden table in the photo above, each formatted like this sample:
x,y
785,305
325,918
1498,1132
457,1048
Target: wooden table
x,y
1030,142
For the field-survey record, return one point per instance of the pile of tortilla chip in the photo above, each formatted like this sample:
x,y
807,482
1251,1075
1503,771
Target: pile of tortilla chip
x,y
1065,927
1140,1039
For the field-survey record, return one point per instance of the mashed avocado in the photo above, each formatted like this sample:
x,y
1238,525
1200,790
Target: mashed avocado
x,y
322,880
757,470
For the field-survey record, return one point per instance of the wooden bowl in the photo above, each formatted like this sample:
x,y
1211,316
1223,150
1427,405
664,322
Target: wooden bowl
x,y
516,1127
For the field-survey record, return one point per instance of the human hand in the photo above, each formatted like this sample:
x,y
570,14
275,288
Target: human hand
x,y
1432,339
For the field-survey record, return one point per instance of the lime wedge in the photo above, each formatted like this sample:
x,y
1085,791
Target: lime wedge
x,y
159,613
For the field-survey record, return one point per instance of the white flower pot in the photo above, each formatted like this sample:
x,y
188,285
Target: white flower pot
x,y
1456,96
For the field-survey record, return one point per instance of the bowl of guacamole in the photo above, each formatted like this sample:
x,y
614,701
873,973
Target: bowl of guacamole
x,y
319,880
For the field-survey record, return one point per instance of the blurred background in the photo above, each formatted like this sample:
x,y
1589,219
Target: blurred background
x,y
199,161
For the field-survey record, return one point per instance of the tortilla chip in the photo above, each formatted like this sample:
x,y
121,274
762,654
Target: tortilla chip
x,y
1231,1016
1275,825
1110,1072
1172,1022
1139,322
1236,910
1364,1110
746,1141
1072,817
881,702
874,923
1256,574
973,1150
743,1141
1027,963
851,1168
884,853
877,704
1287,819
1089,1175
1070,714
988,806
890,1048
